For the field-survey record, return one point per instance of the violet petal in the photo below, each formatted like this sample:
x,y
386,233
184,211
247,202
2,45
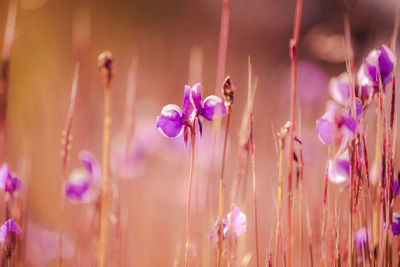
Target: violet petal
x,y
325,131
195,97
214,108
169,122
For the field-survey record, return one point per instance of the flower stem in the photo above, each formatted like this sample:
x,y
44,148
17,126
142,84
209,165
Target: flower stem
x,y
105,161
189,197
253,167
222,189
292,53
67,138
280,193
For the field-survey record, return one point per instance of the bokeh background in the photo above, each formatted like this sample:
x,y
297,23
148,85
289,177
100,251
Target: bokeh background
x,y
173,43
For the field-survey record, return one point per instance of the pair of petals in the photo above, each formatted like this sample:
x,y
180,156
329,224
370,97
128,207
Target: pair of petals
x,y
83,185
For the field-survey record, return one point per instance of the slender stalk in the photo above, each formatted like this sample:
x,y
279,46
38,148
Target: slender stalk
x,y
5,69
222,189
106,67
282,136
292,53
67,138
253,167
223,42
324,211
301,165
189,197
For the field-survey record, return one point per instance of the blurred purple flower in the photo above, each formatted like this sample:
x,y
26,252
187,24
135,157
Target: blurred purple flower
x,y
132,163
41,245
236,222
312,82
10,233
172,120
365,87
361,240
396,224
83,185
379,63
336,126
339,169
213,233
10,182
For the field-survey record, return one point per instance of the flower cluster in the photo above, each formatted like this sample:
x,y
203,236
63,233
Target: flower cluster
x,y
174,120
83,185
235,222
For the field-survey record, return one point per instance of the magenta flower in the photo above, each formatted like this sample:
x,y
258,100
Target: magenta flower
x,y
379,63
9,182
173,120
235,222
83,185
396,224
10,233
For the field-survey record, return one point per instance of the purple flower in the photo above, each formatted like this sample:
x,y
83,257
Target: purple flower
x,y
235,221
365,86
336,126
213,233
379,63
361,240
173,120
339,169
83,185
396,224
9,182
10,233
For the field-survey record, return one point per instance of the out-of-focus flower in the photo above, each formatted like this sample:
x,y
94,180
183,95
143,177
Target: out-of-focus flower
x,y
339,168
336,126
379,63
361,240
365,87
10,233
83,185
41,245
312,82
396,224
130,162
235,221
213,233
9,182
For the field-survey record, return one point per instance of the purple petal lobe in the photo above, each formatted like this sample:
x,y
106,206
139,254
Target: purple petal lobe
x,y
77,186
396,224
371,66
339,169
214,108
325,131
361,240
195,97
386,59
169,122
91,164
238,219
187,107
340,89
